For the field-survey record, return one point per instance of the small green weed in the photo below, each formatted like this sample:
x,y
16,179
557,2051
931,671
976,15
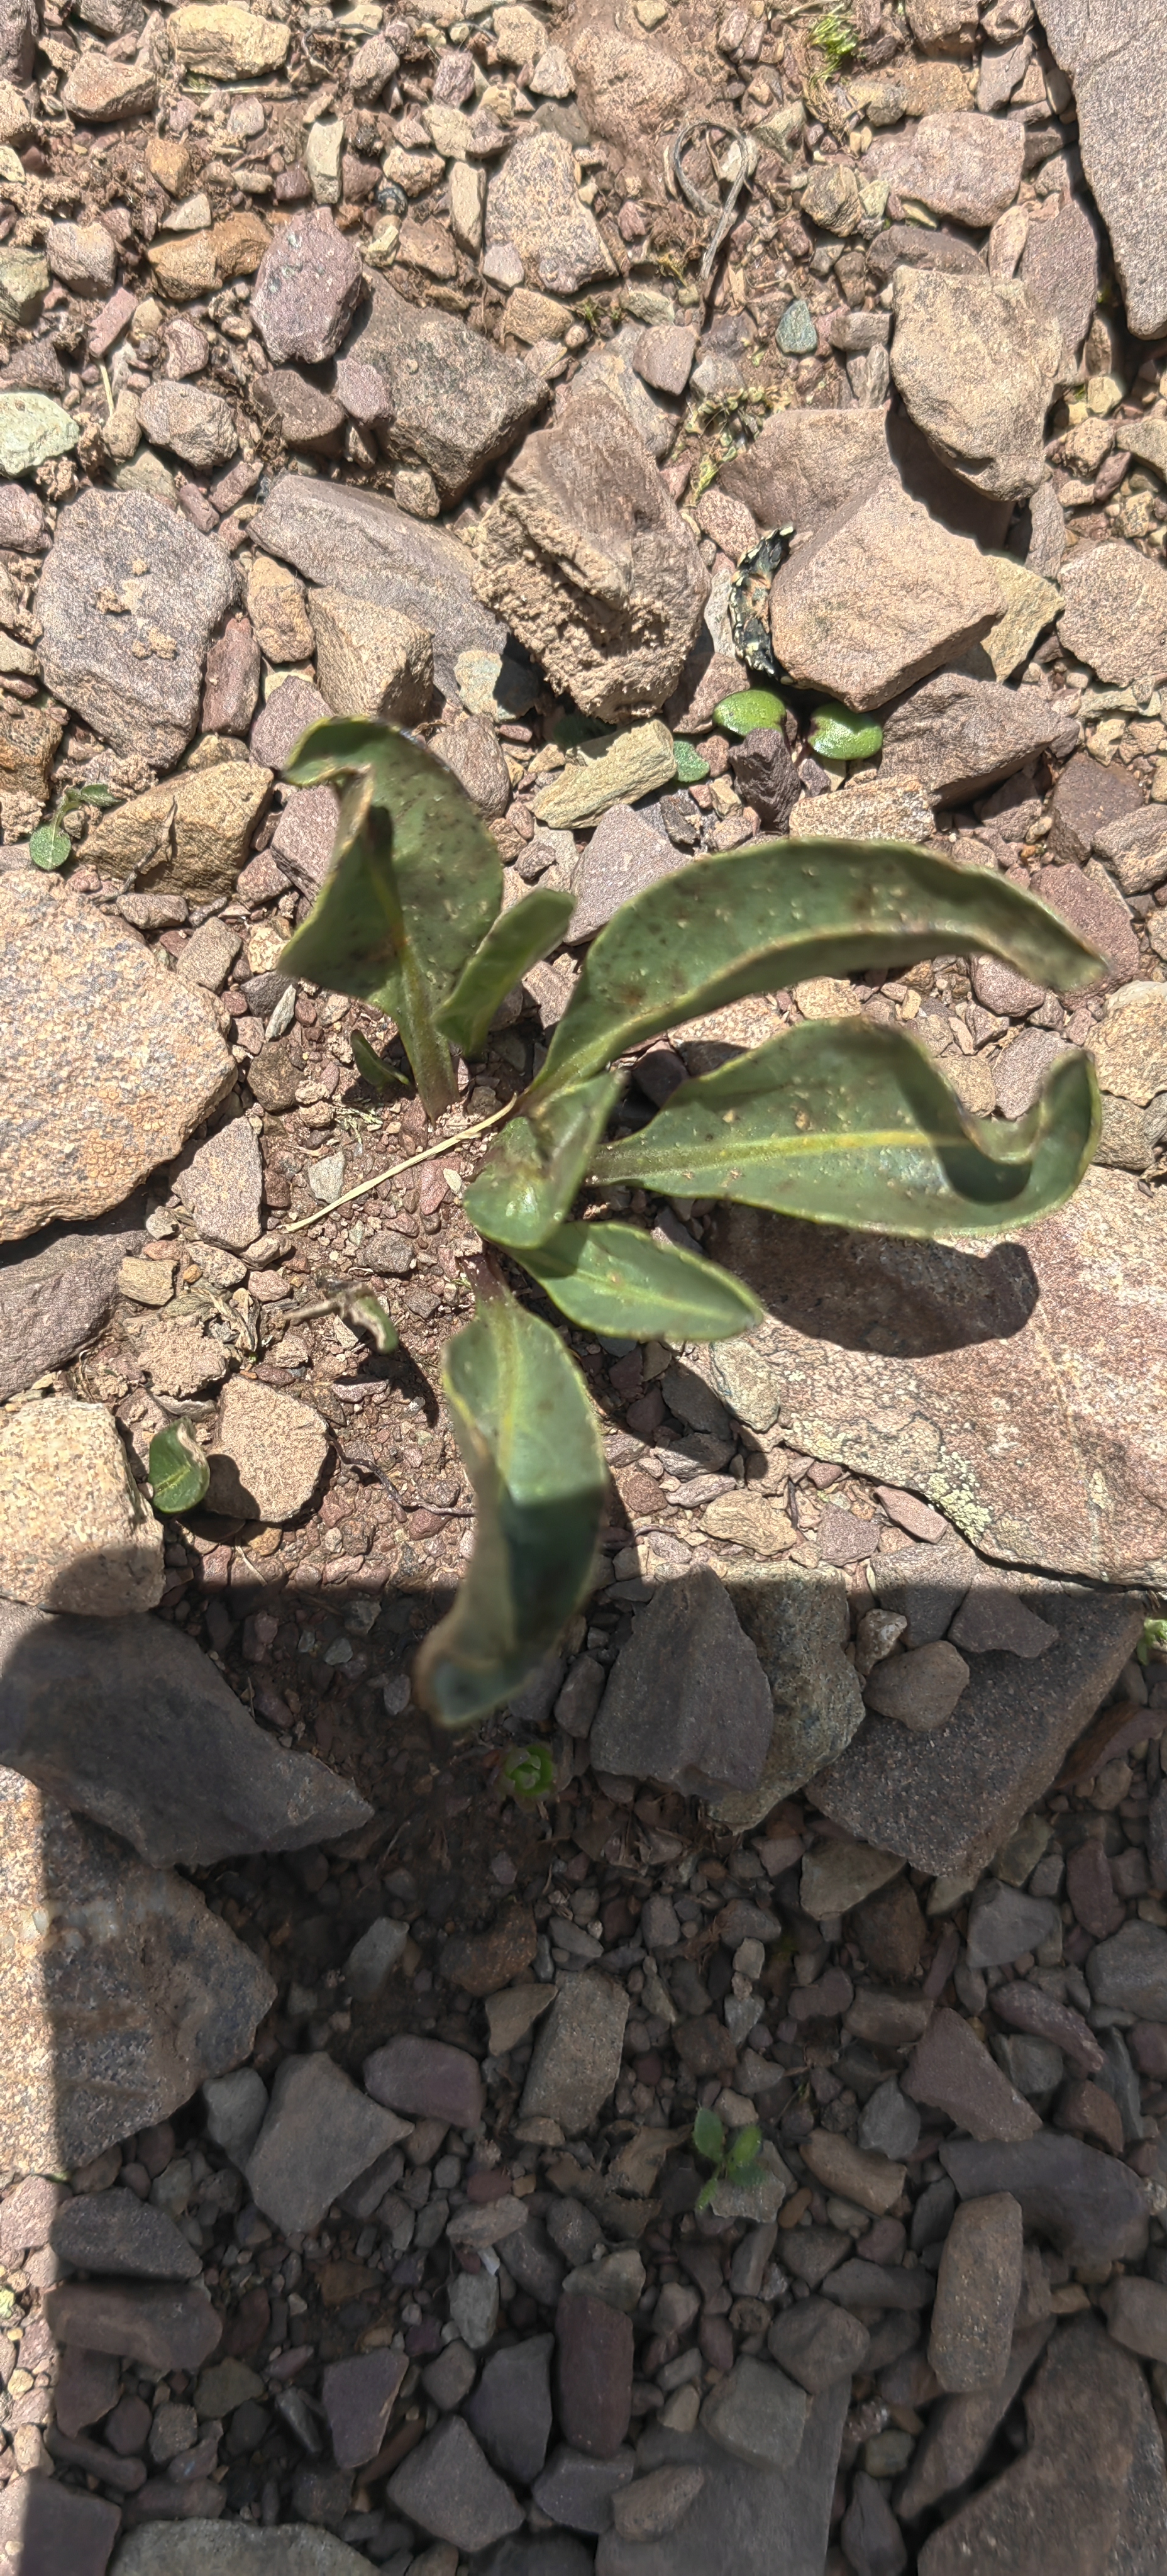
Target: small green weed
x,y
835,36
736,2163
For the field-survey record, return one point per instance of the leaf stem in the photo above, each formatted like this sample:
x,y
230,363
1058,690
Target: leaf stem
x,y
429,1154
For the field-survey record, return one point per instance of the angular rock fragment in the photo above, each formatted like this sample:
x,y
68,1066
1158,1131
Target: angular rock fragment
x,y
585,555
532,203
976,361
688,1703
960,735
1115,61
129,598
359,542
966,167
453,402
879,596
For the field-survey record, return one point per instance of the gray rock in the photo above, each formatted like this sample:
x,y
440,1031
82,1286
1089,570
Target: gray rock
x,y
373,1958
1134,848
288,713
114,2032
428,2079
43,2523
168,1758
951,2069
533,2264
144,701
235,2549
454,402
1033,2066
579,2491
305,837
920,1689
236,2108
474,2308
266,1455
1130,1971
959,2429
615,634
757,2414
448,2487
1116,614
1087,800
195,424
889,2124
837,1875
925,1585
357,2395
976,361
966,167
817,2343
688,1702
977,2290
222,1185
765,777
799,1623
879,595
510,2411
576,2057
1115,62
746,2518
960,735
53,1300
114,2231
451,2377
533,204
991,1619
625,854
307,288
359,542
1093,2208
551,2554
1003,1924
608,367
318,2134
1061,269
1089,2493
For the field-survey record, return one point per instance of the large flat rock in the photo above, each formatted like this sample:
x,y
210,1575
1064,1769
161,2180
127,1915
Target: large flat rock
x,y
108,1064
1113,52
126,1721
51,1300
1021,1388
121,1992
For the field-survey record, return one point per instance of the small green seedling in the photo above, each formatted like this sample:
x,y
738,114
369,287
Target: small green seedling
x,y
50,846
1153,1640
737,2163
179,1473
691,768
373,1069
835,36
529,1773
749,711
837,734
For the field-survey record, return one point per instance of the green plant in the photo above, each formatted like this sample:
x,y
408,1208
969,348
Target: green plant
x,y
847,1123
1153,1640
529,1773
49,846
735,2163
835,36
691,767
179,1474
836,733
749,711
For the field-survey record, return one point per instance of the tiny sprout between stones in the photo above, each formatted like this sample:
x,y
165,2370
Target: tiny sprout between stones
x,y
529,1773
737,2163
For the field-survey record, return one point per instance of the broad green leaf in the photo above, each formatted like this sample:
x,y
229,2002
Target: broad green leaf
x,y
750,711
839,734
691,767
709,2136
513,943
415,885
781,911
49,848
744,2149
526,1187
614,1279
852,1124
179,1473
527,1434
366,1313
382,1076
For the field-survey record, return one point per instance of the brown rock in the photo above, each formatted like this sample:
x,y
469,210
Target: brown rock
x,y
370,661
966,167
53,1300
593,2369
275,605
307,290
1086,899
1087,801
304,416
168,2329
109,1065
952,2071
628,87
977,2291
533,205
455,401
960,735
232,683
267,1454
616,634
890,1930
1116,613
45,2524
75,1533
879,596
480,1963
190,834
874,2181
976,361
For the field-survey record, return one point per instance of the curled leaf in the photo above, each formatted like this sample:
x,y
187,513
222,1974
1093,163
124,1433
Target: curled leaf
x,y
179,1472
614,1279
365,1312
382,1076
515,941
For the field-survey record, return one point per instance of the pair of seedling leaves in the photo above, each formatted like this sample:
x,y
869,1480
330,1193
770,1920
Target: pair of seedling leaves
x,y
844,1122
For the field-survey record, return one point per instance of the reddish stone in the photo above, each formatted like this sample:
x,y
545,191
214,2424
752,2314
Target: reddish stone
x,y
593,2361
1090,1889
1147,2043
245,2330
87,2387
45,2526
1087,2112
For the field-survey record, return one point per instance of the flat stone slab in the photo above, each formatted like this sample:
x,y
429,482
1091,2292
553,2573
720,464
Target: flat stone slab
x,y
1021,1388
1113,53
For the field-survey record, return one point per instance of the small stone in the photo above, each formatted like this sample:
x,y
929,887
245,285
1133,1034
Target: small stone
x,y
816,2343
576,2059
87,2390
196,425
279,618
370,661
357,2396
358,542
612,770
890,2125
837,1875
871,2180
451,2377
625,854
374,1957
232,686
1129,1972
1092,2207
593,2375
757,2414
829,601
135,677
480,1963
1130,1047
511,2014
532,205
1003,1924
961,735
226,2385
306,291
976,360
977,2290
1136,2315
687,1703
799,1622
75,1533
470,749
965,167
1027,2007
952,2071
224,42
1134,848
115,2232
579,2491
455,401
267,1454
236,2108
449,2488
83,256
303,415
766,778
474,2307
920,1689
223,1185
167,2329
101,92
318,2134
664,356
654,2505
510,2411
427,2078
1116,614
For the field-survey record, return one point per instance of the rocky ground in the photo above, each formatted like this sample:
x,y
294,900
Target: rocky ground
x,y
349,2212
